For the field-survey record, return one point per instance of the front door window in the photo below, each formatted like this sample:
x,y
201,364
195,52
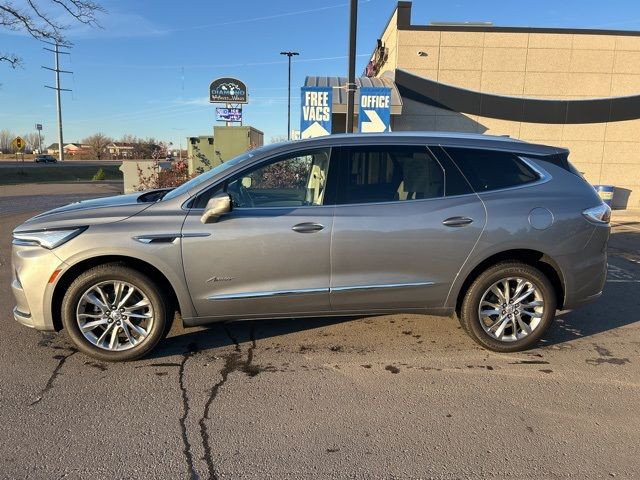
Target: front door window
x,y
290,181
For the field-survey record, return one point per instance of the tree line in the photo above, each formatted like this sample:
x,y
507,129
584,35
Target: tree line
x,y
95,147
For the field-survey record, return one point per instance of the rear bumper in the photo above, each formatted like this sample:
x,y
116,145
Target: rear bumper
x,y
585,271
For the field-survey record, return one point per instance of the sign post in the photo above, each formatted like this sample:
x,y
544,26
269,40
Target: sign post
x,y
39,129
315,117
375,110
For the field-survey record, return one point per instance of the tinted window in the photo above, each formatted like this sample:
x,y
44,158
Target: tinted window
x,y
455,183
388,174
491,170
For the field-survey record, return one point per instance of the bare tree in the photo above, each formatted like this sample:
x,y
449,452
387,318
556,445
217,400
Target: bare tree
x,y
33,142
97,144
45,20
5,141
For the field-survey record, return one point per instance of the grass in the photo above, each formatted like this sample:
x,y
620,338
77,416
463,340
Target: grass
x,y
56,173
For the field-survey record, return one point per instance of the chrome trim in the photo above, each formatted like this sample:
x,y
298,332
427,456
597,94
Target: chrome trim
x,y
25,243
170,237
240,296
304,291
375,287
195,235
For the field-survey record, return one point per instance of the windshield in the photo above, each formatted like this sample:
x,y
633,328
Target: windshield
x,y
195,182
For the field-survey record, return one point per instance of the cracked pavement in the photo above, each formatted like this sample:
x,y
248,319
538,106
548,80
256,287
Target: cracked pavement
x,y
402,396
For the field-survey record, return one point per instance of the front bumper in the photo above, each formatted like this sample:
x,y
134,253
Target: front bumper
x,y
32,267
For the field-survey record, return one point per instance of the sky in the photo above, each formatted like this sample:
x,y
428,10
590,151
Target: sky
x,y
147,71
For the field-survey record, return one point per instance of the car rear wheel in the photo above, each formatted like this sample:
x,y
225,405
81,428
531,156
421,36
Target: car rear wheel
x,y
508,307
115,313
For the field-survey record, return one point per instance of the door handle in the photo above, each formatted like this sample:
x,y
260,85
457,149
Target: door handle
x,y
457,221
307,227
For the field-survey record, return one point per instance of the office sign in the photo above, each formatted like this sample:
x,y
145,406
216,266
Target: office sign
x,y
315,115
228,114
227,90
375,110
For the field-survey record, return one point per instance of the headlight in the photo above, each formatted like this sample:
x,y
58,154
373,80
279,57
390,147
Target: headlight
x,y
600,214
47,238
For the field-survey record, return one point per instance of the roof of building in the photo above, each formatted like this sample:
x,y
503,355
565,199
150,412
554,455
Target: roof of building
x,y
339,85
404,23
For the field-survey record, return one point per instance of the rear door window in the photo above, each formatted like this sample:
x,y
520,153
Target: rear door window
x,y
490,169
389,173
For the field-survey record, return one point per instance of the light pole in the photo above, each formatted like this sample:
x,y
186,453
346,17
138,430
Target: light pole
x,y
351,79
179,142
289,54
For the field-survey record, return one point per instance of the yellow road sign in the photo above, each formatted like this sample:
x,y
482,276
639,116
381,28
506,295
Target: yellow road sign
x,y
18,143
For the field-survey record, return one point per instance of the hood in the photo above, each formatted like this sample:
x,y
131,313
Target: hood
x,y
93,212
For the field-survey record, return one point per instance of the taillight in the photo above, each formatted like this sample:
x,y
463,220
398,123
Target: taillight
x,y
600,214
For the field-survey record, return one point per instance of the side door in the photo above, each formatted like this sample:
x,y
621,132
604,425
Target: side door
x,y
270,255
405,222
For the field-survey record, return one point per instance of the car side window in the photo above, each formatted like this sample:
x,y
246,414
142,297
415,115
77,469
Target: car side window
x,y
389,174
287,181
490,169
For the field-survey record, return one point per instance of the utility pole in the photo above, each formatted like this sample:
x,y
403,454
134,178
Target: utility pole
x,y
351,80
289,54
57,52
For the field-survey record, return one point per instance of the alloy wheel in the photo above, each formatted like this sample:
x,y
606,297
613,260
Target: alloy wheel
x,y
114,315
511,309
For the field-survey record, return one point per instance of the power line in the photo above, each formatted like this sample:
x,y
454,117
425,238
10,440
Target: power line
x,y
57,52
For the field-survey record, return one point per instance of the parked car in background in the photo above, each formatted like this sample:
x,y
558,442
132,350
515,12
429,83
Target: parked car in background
x,y
500,232
45,159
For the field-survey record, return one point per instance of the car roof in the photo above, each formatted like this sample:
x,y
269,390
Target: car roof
x,y
449,139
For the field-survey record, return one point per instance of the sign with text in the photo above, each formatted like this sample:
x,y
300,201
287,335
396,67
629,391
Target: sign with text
x,y
315,117
228,114
227,90
375,110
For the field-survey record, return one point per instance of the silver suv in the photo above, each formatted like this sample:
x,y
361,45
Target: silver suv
x,y
501,232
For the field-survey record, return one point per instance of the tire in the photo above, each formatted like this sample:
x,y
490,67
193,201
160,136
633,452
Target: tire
x,y
487,330
139,296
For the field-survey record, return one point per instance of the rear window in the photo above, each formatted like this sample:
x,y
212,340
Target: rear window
x,y
491,170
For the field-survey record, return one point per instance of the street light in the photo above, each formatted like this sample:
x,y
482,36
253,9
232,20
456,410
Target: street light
x,y
351,79
289,54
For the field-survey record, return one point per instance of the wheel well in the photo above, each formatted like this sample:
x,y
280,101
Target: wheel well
x,y
70,275
531,257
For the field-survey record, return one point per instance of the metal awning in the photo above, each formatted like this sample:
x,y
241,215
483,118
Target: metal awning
x,y
340,92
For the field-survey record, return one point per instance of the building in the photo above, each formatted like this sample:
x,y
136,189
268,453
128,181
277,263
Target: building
x,y
205,151
69,148
121,149
573,88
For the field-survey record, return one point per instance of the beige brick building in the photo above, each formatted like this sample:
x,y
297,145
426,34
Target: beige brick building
x,y
578,89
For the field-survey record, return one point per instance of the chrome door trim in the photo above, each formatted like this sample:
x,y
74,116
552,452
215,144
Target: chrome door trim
x,y
276,293
306,291
379,286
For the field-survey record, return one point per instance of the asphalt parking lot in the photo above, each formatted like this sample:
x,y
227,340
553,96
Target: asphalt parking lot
x,y
401,396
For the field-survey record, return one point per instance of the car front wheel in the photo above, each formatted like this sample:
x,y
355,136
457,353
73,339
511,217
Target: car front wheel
x,y
115,313
508,307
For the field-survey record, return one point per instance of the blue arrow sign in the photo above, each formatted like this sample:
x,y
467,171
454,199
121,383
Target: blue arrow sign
x,y
315,115
375,110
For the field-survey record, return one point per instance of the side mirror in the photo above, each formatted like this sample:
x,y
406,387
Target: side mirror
x,y
217,206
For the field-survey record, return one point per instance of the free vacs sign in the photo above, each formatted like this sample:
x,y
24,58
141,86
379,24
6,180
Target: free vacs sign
x,y
315,117
375,110
227,90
